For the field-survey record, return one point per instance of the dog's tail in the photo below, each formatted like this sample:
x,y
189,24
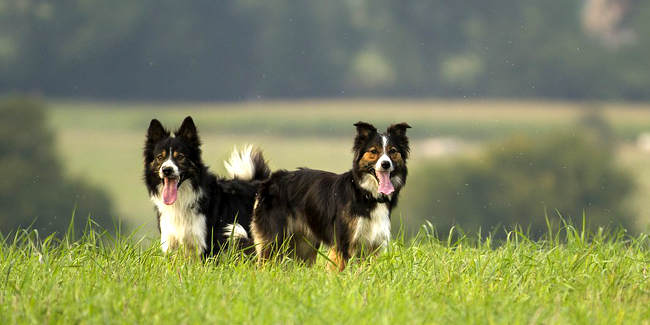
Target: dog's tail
x,y
235,231
248,165
238,234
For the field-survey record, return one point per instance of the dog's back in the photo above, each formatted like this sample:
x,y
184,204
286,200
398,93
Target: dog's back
x,y
348,212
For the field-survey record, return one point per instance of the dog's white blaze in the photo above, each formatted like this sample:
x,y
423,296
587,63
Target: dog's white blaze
x,y
384,156
168,163
374,232
241,164
180,223
235,231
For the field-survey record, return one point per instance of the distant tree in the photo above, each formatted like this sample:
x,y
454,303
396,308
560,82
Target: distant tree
x,y
232,50
521,181
301,48
33,188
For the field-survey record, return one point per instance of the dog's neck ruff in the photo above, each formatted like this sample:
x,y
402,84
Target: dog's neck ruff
x,y
372,233
181,224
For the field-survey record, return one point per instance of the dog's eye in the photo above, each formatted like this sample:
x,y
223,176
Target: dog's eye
x,y
373,151
159,157
180,157
392,151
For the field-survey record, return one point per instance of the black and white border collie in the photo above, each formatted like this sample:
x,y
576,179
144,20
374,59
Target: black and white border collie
x,y
350,212
197,211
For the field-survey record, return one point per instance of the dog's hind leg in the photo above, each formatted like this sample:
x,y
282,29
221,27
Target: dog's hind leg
x,y
262,244
270,249
305,250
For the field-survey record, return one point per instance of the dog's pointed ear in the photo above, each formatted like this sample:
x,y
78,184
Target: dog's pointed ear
x,y
156,131
364,130
188,132
398,129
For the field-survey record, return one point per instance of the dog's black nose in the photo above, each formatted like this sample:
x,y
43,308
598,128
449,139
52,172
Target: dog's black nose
x,y
385,164
168,171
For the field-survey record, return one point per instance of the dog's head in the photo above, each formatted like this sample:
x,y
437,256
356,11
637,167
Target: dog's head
x,y
380,158
171,160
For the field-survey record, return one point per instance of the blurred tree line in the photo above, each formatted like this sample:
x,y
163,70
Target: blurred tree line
x,y
230,50
34,192
523,181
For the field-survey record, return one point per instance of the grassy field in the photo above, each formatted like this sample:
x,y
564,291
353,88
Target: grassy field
x,y
102,142
568,278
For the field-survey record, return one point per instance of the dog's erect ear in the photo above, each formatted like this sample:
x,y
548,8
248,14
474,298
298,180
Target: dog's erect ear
x,y
156,131
188,132
364,130
398,132
398,129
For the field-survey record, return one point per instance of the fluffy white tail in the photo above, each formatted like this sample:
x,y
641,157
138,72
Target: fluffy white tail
x,y
235,231
247,165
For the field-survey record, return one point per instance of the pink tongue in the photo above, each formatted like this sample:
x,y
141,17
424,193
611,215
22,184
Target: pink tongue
x,y
385,186
170,191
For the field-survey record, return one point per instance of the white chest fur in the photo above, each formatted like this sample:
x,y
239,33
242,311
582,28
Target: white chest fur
x,y
374,232
182,224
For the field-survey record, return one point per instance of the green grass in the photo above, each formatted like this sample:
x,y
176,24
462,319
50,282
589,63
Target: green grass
x,y
569,278
469,119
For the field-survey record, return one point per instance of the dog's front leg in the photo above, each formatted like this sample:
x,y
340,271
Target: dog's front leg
x,y
336,260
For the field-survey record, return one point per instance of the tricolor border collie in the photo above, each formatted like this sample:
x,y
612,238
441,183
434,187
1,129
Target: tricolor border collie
x,y
350,212
197,211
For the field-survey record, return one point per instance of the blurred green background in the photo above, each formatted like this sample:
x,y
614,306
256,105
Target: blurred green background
x,y
519,109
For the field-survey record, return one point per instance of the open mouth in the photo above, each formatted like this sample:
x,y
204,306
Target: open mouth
x,y
385,185
170,190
